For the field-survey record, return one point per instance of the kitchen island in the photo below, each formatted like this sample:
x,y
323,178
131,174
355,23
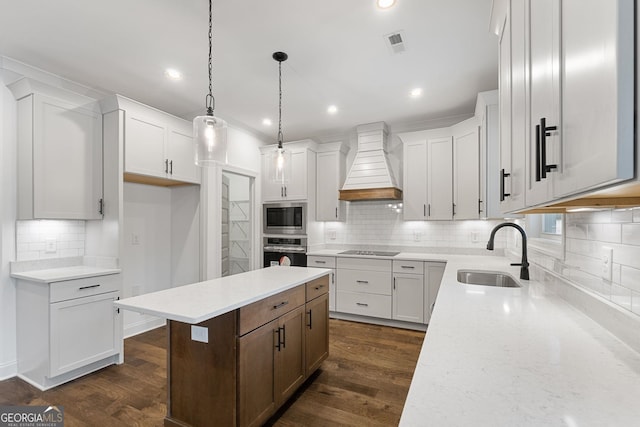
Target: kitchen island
x,y
239,346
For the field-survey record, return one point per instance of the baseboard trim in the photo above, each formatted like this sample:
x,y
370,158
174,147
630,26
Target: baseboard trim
x,y
8,370
378,321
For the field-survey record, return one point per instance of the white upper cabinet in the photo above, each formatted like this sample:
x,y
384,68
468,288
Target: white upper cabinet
x,y
330,174
302,181
544,99
512,89
597,94
440,178
59,153
415,180
566,78
156,144
466,170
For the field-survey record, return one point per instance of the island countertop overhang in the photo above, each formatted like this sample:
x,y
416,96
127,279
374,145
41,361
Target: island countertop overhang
x,y
201,301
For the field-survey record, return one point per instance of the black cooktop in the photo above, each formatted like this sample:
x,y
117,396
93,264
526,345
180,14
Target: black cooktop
x,y
373,253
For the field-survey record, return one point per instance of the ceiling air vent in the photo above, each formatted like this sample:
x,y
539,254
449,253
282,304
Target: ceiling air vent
x,y
396,42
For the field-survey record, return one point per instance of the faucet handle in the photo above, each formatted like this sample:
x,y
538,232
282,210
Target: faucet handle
x,y
514,264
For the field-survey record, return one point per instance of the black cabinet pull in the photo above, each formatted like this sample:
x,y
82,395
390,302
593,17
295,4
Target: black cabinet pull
x,y
407,266
171,167
310,320
101,207
361,304
277,331
336,212
538,154
285,191
284,336
88,287
424,210
544,131
166,165
282,304
453,209
429,209
503,175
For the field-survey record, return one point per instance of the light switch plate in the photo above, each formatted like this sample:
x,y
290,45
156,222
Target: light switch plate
x,y
199,333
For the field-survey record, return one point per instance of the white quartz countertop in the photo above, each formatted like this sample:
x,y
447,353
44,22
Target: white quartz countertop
x,y
201,301
518,357
60,274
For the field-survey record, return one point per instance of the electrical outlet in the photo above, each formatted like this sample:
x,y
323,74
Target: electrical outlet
x,y
135,239
417,236
50,246
199,333
332,234
607,263
475,237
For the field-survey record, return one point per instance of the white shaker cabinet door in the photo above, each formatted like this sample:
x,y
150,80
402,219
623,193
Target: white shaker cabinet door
x,y
466,180
145,140
415,181
597,94
82,331
67,158
181,155
440,178
408,297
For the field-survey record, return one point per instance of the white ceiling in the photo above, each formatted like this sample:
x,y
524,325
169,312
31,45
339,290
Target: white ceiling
x,y
337,55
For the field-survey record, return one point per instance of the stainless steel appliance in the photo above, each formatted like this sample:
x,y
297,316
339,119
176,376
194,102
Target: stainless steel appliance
x,y
285,218
293,247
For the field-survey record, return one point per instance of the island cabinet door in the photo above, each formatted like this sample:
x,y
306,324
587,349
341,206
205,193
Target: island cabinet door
x,y
256,364
317,337
290,361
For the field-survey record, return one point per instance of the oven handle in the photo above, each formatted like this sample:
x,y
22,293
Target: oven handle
x,y
285,249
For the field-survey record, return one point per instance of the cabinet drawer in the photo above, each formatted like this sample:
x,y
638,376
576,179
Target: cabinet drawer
x,y
317,287
78,288
260,312
374,282
411,267
365,264
364,304
321,261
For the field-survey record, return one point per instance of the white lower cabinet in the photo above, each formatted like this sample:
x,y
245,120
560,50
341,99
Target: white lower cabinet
x,y
364,287
433,272
330,263
408,291
67,329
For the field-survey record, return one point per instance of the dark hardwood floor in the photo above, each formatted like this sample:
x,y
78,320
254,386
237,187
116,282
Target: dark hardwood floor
x,y
364,382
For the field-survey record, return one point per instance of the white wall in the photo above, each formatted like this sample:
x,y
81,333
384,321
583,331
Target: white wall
x,y
8,205
146,257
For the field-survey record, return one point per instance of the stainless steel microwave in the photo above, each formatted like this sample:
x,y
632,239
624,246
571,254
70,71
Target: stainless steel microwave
x,y
284,218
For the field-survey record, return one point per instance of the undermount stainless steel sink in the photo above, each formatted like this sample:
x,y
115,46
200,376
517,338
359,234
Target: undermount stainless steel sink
x,y
487,278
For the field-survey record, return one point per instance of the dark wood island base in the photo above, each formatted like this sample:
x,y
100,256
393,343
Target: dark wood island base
x,y
256,357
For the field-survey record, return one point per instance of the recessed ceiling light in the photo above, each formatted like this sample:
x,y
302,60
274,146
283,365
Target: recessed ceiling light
x,y
267,122
416,93
332,109
173,74
385,4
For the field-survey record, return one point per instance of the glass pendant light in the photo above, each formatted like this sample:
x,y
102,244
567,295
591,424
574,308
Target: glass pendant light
x,y
210,132
281,158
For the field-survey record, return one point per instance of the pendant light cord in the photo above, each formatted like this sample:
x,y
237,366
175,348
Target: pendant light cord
x,y
280,137
209,100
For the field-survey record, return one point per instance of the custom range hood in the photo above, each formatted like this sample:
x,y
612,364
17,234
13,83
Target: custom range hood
x,y
370,176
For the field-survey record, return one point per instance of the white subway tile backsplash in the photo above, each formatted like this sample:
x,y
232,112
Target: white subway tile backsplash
x,y
631,234
587,233
31,237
